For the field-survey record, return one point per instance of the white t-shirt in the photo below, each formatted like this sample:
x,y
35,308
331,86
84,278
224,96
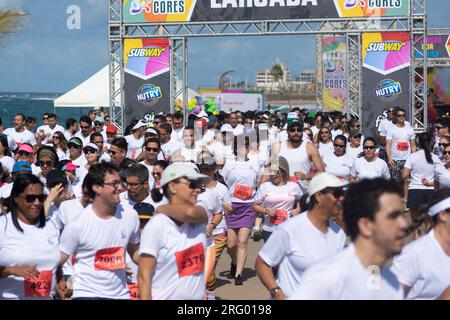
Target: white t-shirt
x,y
363,169
170,147
221,152
400,137
385,124
7,164
296,245
281,198
241,179
21,137
420,168
204,139
68,135
315,130
223,195
338,166
62,155
325,149
175,248
80,161
188,154
34,246
442,175
134,146
47,130
95,242
344,277
85,140
5,191
177,135
151,180
354,152
209,200
423,266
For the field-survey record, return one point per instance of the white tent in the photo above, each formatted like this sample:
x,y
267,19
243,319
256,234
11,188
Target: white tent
x,y
94,92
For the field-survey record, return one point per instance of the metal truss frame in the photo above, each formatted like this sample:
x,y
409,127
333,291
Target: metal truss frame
x,y
415,24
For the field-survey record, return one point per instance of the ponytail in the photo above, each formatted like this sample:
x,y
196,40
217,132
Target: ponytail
x,y
425,145
157,196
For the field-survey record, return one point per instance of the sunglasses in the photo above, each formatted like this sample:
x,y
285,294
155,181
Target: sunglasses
x,y
83,127
46,163
113,152
443,144
193,184
99,124
156,174
73,146
90,150
325,132
56,138
296,130
24,153
401,115
30,198
152,150
446,153
337,193
339,146
369,148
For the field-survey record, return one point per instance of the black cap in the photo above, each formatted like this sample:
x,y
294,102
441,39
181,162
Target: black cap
x,y
144,210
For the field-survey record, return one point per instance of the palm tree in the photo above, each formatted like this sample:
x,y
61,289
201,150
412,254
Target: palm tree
x,y
224,80
10,21
278,75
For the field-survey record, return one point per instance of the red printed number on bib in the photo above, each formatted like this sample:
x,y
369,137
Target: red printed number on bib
x,y
402,146
40,287
110,259
242,192
191,260
280,216
133,288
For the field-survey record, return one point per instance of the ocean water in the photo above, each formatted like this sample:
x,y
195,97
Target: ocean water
x,y
34,105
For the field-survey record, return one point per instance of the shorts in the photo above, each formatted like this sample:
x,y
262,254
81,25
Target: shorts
x,y
418,197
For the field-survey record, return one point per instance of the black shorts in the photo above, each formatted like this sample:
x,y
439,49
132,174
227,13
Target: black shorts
x,y
418,197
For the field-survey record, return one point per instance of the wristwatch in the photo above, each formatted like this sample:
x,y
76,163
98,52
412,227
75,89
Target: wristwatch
x,y
274,291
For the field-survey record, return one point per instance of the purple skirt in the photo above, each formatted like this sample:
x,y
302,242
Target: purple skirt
x,y
243,216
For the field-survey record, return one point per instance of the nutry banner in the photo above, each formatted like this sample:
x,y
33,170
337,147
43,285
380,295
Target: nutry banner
x,y
151,11
147,78
334,51
386,61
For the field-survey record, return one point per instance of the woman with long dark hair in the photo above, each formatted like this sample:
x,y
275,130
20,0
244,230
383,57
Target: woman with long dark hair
x,y
29,253
325,143
419,166
369,166
6,156
60,145
47,160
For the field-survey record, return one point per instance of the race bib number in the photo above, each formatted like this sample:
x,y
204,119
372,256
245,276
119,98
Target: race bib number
x,y
242,192
40,287
280,216
402,146
110,259
133,288
191,260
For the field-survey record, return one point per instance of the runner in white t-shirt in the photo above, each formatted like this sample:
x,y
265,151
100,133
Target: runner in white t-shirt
x,y
189,151
172,251
369,166
303,240
354,146
19,133
375,221
325,143
99,237
339,163
423,267
29,256
136,140
45,133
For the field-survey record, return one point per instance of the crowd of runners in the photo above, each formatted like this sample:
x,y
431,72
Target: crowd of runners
x,y
89,212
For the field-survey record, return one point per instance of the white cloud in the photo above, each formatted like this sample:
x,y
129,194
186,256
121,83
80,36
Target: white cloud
x,y
15,4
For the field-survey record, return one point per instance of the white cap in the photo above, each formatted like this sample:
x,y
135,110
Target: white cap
x,y
140,124
324,180
179,169
226,128
92,145
151,130
263,126
292,115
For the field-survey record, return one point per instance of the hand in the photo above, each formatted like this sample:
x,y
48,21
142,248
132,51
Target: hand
x,y
62,290
391,163
299,175
55,192
228,208
26,271
271,212
209,229
427,183
280,295
293,212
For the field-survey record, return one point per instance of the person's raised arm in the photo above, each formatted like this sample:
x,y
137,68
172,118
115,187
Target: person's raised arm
x,y
184,213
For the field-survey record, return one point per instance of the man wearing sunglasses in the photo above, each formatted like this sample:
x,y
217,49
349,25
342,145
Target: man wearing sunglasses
x,y
86,130
302,156
400,143
99,238
76,156
303,240
375,221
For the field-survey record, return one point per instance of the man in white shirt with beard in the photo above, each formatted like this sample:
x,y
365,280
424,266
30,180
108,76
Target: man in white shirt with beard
x,y
46,132
375,221
99,238
19,133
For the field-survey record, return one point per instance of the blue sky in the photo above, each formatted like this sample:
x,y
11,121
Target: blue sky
x,y
45,56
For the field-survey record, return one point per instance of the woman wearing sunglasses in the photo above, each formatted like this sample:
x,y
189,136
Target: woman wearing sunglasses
x,y
29,253
369,166
47,160
304,239
325,144
339,163
60,145
173,243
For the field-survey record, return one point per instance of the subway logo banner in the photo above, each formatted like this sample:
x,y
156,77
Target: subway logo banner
x,y
155,11
386,61
147,77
